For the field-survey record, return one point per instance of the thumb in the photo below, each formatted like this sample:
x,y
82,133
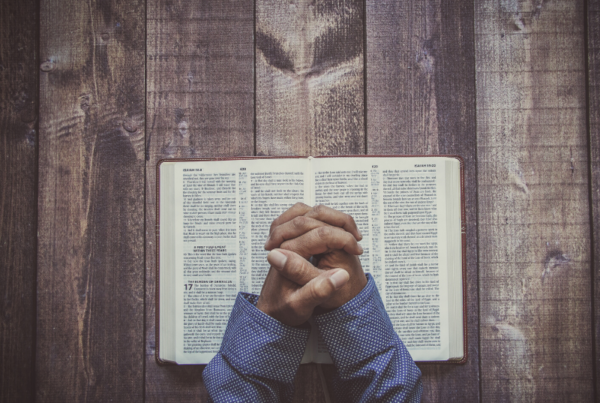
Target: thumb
x,y
321,288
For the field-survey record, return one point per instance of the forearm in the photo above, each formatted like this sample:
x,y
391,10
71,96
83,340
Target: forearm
x,y
372,362
258,359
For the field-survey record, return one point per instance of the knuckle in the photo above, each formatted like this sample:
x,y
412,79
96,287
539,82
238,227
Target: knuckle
x,y
323,232
343,240
292,266
300,222
298,268
299,205
290,245
319,209
319,293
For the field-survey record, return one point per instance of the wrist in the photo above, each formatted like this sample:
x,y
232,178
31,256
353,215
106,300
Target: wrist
x,y
283,317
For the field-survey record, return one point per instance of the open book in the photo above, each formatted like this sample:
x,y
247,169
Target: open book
x,y
214,218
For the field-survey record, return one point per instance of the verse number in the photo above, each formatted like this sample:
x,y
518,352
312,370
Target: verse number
x,y
188,286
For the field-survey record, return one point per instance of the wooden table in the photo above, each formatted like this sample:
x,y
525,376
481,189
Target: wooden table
x,y
94,93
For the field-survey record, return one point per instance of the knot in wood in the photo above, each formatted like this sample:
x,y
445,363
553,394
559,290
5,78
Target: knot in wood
x,y
130,125
183,128
84,102
47,66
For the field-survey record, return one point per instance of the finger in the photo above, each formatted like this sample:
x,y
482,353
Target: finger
x,y
296,210
321,240
292,229
335,218
292,266
319,289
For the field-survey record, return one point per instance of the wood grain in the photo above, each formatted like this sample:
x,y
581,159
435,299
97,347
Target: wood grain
x,y
593,86
309,95
534,219
91,202
421,100
534,169
309,77
200,91
19,103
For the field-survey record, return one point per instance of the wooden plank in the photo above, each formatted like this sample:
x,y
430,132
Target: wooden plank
x,y
534,217
200,91
91,202
593,85
309,77
19,103
420,100
309,94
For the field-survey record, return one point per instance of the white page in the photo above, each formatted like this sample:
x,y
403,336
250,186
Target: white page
x,y
394,245
224,210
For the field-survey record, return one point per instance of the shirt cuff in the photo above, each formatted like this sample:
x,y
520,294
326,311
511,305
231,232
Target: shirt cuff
x,y
344,328
259,345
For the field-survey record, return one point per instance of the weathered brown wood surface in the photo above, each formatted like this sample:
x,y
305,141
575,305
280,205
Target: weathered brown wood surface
x,y
90,288
421,100
309,77
593,65
18,191
534,228
501,83
200,103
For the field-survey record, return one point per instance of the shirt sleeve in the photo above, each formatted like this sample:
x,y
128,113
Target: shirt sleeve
x,y
258,358
373,365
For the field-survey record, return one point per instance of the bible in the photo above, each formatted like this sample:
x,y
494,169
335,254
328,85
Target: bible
x,y
213,218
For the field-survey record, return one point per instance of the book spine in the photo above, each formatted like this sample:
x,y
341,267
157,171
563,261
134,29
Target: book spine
x,y
310,197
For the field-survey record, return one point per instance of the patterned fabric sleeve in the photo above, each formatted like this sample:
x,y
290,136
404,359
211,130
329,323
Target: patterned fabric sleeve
x,y
258,359
372,362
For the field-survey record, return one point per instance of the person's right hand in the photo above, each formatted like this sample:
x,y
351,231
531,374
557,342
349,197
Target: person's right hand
x,y
329,237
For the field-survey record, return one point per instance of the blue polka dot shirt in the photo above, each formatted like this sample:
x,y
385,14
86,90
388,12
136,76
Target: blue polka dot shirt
x,y
259,355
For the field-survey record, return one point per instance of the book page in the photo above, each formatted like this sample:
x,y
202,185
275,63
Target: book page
x,y
398,204
415,274
223,210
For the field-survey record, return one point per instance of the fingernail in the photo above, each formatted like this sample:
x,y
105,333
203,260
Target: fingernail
x,y
359,233
360,249
267,241
277,258
339,278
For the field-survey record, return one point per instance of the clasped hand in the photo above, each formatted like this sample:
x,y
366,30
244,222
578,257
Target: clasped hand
x,y
314,263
